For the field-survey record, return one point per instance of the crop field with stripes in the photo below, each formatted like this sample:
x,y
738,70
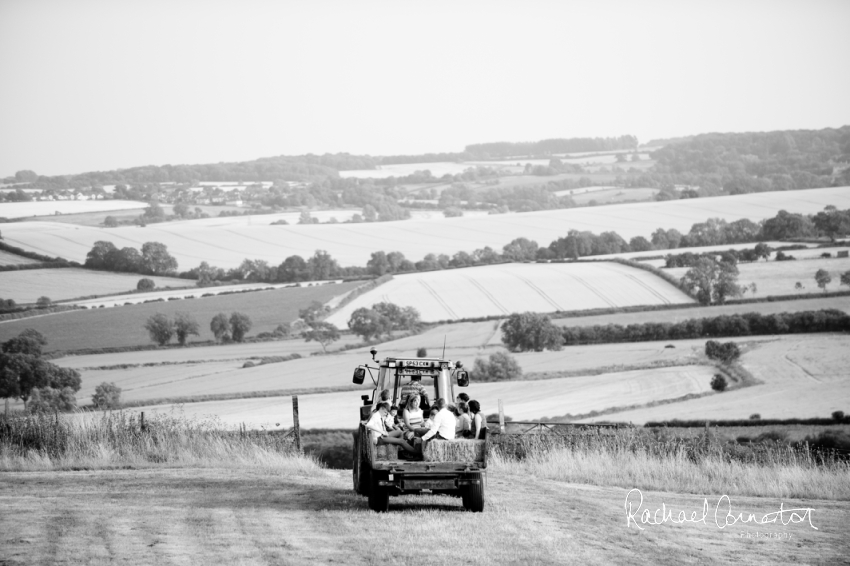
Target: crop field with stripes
x,y
504,289
226,245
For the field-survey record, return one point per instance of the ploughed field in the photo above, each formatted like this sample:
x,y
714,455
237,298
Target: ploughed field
x,y
353,244
499,290
124,326
26,286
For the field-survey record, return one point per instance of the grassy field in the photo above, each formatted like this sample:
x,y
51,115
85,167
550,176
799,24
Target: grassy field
x,y
11,259
124,326
506,288
678,315
803,376
193,292
27,286
780,277
352,244
50,208
293,513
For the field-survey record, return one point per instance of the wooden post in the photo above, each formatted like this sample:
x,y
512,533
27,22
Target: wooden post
x,y
7,409
295,424
142,421
501,418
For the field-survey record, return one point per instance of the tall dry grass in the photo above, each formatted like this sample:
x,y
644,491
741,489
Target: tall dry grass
x,y
117,439
705,465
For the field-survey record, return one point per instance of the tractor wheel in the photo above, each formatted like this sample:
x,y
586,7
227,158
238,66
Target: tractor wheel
x,y
472,495
379,496
355,466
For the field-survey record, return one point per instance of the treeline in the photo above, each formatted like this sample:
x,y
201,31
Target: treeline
x,y
502,150
747,324
762,161
154,258
292,168
295,268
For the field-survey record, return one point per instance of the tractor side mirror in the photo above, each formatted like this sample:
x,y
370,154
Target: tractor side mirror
x,y
462,378
359,376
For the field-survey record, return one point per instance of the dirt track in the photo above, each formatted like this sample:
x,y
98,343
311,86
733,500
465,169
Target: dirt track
x,y
225,516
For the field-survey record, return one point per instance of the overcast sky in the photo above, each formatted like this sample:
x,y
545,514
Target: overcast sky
x,y
102,84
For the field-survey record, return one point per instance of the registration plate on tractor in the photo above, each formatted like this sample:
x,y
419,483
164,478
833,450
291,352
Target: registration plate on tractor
x,y
429,484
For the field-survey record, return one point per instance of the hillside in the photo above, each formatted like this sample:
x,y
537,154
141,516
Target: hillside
x,y
499,290
353,244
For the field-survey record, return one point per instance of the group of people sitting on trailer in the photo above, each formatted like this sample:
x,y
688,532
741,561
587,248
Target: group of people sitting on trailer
x,y
410,429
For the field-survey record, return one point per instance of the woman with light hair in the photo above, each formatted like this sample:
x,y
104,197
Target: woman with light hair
x,y
413,416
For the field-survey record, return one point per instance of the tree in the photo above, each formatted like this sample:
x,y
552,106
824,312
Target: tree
x,y
719,383
520,249
181,209
50,399
23,371
145,284
156,259
399,318
763,251
240,324
845,278
99,257
184,326
712,281
639,244
110,222
293,268
322,332
530,331
368,323
322,266
823,278
160,328
500,367
220,327
452,212
305,217
378,264
313,312
43,302
107,396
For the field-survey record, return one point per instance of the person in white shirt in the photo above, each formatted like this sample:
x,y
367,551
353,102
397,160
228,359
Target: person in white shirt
x,y
377,427
444,423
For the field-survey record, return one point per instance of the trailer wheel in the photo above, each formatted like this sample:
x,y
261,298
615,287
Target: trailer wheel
x,y
360,470
472,495
379,496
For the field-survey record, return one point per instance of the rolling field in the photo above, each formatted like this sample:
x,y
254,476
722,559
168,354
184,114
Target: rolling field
x,y
503,289
27,286
352,244
804,376
192,293
124,326
51,207
697,250
780,277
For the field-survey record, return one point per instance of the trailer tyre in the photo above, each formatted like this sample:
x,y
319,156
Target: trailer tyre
x,y
360,470
379,496
472,495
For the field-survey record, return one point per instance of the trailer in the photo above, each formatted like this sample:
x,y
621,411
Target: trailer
x,y
457,468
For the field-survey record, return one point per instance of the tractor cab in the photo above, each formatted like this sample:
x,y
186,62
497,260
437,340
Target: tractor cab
x,y
437,375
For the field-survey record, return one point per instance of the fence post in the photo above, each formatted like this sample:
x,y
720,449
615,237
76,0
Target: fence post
x,y
501,418
296,426
142,421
